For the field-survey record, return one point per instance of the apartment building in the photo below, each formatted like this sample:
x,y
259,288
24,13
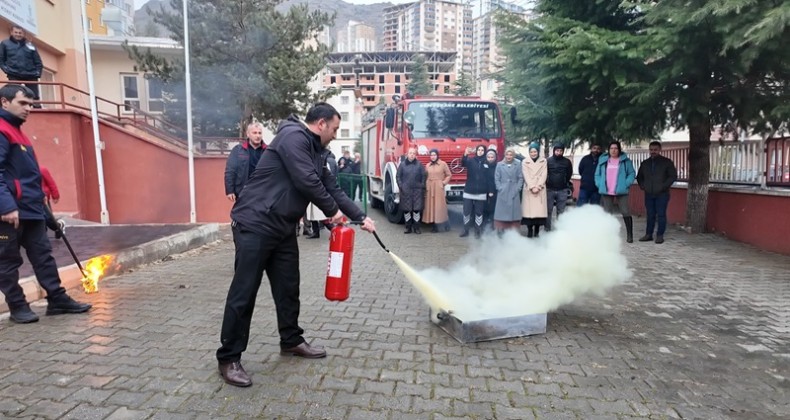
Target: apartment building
x,y
110,17
431,25
356,37
379,75
487,59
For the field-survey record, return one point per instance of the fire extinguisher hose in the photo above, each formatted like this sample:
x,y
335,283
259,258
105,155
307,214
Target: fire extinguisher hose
x,y
375,235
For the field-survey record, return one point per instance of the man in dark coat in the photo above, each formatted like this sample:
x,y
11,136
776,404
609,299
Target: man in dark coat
x,y
345,166
24,216
655,177
588,192
558,180
291,173
242,161
411,179
20,61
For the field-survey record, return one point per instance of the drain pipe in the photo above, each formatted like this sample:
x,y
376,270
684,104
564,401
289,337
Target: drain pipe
x,y
97,143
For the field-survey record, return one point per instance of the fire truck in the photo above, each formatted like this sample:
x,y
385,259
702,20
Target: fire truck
x,y
449,124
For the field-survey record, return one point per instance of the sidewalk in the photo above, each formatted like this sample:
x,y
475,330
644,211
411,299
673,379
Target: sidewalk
x,y
701,331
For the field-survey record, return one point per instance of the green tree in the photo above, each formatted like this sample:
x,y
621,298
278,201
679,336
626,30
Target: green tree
x,y
248,60
464,85
612,70
418,74
723,63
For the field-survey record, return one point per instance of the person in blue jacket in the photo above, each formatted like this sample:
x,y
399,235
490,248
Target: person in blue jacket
x,y
23,216
614,176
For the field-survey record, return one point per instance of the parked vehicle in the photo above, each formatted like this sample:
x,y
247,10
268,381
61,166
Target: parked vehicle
x,y
449,124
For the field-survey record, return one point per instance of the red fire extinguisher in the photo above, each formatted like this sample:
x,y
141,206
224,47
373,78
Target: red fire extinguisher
x,y
338,271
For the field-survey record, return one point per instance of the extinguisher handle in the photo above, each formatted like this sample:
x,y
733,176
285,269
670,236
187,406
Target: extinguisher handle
x,y
375,235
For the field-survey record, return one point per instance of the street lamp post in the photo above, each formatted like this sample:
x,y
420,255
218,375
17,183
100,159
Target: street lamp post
x,y
190,147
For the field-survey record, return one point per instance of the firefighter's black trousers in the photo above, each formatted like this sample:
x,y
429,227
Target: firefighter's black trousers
x,y
278,256
31,235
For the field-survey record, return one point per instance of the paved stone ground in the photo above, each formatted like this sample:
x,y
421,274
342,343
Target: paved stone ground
x,y
700,332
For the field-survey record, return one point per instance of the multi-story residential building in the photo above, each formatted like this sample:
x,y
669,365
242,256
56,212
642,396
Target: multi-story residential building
x,y
356,37
487,60
391,18
431,25
110,17
379,75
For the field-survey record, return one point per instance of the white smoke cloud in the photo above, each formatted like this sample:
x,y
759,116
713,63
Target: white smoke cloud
x,y
515,276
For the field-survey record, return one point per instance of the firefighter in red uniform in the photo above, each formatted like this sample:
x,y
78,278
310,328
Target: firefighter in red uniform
x,y
291,173
23,215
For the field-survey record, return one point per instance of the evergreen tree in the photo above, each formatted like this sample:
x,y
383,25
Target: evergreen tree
x,y
247,60
612,70
419,84
464,85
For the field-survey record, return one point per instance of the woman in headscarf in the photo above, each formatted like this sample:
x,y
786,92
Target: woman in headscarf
x,y
476,189
411,183
533,202
509,181
614,176
488,213
438,174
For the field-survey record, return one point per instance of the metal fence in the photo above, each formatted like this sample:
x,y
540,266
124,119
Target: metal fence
x,y
356,187
735,163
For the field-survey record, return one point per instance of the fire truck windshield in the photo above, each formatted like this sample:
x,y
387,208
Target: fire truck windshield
x,y
453,119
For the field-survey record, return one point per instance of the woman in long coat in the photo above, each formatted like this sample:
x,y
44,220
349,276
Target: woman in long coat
x,y
509,180
435,200
411,183
533,202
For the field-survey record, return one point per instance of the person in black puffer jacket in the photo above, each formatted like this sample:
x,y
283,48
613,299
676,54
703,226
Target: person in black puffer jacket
x,y
488,213
476,189
558,181
19,60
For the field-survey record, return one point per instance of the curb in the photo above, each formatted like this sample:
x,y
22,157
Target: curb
x,y
71,277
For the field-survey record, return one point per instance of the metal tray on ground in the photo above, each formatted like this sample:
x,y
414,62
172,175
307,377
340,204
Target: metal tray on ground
x,y
491,329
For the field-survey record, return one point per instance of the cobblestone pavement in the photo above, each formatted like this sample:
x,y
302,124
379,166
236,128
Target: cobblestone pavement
x,y
701,331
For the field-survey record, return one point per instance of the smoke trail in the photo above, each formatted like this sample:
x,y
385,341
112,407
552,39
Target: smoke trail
x,y
515,276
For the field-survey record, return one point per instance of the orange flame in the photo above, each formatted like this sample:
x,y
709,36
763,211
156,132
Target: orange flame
x,y
94,270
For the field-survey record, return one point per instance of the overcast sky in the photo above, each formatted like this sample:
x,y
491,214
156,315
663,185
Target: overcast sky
x,y
140,3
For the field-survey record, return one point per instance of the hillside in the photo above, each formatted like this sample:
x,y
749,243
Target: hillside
x,y
371,14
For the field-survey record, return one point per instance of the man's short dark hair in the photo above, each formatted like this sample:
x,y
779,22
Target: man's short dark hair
x,y
9,92
655,143
321,111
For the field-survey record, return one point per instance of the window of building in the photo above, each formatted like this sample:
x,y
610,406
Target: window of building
x,y
345,149
90,24
130,93
344,116
344,133
332,79
155,102
381,79
397,78
447,89
344,100
397,89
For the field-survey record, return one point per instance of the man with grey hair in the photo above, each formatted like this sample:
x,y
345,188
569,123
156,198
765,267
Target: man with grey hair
x,y
242,161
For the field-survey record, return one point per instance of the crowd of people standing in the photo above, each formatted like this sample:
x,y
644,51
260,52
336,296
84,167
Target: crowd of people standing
x,y
511,193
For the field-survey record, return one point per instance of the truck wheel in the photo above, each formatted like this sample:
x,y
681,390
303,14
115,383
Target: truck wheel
x,y
394,215
374,202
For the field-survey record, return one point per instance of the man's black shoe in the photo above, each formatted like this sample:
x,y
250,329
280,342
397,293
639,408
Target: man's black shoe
x,y
66,305
23,315
234,374
316,234
305,350
646,238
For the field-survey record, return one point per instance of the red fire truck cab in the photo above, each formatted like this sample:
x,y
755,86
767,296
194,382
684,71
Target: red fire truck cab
x,y
449,124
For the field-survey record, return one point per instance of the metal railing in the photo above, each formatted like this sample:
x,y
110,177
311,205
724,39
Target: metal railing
x,y
735,163
56,95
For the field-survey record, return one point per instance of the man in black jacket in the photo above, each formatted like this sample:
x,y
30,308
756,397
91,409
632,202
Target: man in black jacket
x,y
242,161
655,177
588,192
558,181
291,173
24,215
20,60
